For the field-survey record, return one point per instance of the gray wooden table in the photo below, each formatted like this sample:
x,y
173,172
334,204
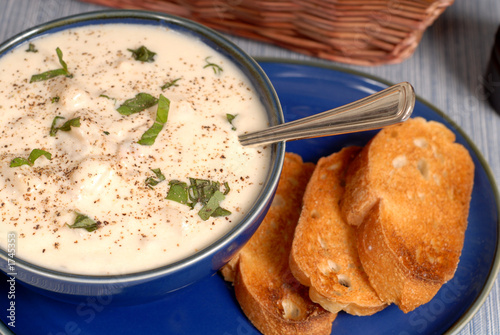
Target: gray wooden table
x,y
447,69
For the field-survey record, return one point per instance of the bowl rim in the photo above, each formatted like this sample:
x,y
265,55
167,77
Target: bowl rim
x,y
237,55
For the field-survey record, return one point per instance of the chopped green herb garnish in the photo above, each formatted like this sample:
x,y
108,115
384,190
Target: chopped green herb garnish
x,y
217,69
107,97
83,221
48,75
170,84
65,127
106,132
230,118
178,192
219,211
149,136
227,189
70,123
202,191
143,54
53,73
137,104
151,181
34,155
211,205
61,61
31,48
55,99
53,128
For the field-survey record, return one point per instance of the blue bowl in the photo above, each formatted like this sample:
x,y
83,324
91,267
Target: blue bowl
x,y
149,285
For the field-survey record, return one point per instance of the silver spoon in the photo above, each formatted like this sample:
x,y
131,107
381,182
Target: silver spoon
x,y
392,105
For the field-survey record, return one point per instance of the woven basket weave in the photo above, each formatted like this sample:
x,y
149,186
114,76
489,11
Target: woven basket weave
x,y
361,32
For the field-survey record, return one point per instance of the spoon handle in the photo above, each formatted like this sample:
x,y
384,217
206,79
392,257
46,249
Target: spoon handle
x,y
389,106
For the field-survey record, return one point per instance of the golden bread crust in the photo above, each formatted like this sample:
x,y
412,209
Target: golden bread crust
x,y
228,271
393,282
273,300
324,252
409,191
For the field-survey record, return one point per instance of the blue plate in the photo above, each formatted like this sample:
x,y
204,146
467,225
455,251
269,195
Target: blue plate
x,y
209,307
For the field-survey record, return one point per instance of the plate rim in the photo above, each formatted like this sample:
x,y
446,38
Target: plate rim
x,y
470,312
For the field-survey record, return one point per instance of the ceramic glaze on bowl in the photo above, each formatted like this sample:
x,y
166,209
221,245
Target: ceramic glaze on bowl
x,y
93,212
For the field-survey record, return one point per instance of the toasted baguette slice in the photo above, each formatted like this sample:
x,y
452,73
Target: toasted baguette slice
x,y
324,252
409,192
228,271
273,300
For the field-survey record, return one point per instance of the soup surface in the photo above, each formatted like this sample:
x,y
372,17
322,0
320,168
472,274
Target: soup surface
x,y
119,148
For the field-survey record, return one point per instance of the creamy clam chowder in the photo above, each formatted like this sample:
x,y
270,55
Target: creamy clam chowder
x,y
119,148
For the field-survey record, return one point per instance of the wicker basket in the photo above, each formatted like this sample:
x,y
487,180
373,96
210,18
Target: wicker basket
x,y
361,32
